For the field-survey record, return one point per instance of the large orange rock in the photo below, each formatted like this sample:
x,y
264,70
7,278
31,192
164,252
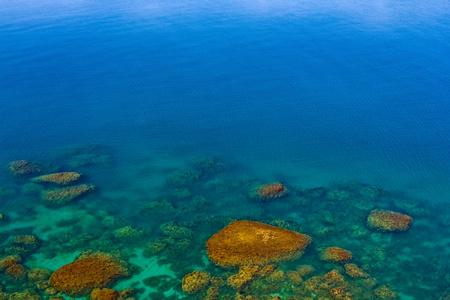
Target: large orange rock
x,y
385,220
254,243
82,276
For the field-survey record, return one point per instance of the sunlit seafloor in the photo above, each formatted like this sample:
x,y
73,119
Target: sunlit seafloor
x,y
135,136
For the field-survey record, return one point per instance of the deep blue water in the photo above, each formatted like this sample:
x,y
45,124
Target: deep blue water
x,y
297,91
331,91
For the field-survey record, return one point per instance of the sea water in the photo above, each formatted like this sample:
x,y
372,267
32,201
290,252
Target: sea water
x,y
177,111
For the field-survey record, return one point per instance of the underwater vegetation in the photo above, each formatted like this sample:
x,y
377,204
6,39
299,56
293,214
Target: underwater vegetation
x,y
209,234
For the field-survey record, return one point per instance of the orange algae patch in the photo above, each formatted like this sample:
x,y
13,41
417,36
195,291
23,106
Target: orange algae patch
x,y
104,294
82,276
270,191
254,243
23,167
336,254
385,220
62,178
62,196
195,281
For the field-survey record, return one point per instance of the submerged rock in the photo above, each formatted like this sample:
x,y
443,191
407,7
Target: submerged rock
x,y
336,254
182,177
83,275
61,178
385,220
16,272
88,155
269,191
104,294
354,271
62,196
195,281
245,276
254,243
29,242
24,167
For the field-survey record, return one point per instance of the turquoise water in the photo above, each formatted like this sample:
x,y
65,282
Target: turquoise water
x,y
229,95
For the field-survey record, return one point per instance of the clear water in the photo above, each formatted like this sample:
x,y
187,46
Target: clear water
x,y
305,93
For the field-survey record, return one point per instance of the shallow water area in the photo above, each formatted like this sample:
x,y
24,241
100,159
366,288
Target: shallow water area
x,y
182,117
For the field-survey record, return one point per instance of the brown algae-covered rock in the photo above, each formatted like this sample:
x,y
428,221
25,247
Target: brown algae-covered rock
x,y
62,196
104,294
27,295
336,254
39,274
384,292
83,275
16,272
128,233
174,230
246,275
61,178
354,271
23,168
29,242
195,281
254,243
269,191
8,261
388,221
